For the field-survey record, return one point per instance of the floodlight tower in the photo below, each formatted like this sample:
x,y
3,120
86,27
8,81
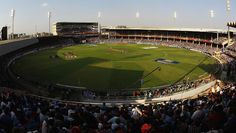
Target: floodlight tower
x,y
228,17
137,15
12,21
175,17
212,15
228,9
49,22
99,22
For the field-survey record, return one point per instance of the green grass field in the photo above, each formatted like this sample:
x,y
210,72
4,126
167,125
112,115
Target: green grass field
x,y
113,66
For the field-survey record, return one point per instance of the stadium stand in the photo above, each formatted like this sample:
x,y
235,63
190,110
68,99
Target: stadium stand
x,y
232,47
211,111
78,29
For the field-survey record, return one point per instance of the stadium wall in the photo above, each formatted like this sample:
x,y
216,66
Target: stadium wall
x,y
186,94
13,46
176,96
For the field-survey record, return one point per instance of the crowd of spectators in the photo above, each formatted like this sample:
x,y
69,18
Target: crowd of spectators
x,y
206,48
215,112
233,46
229,65
88,94
200,47
170,90
228,57
220,40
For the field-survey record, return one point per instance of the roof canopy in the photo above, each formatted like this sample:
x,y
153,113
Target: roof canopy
x,y
168,29
232,24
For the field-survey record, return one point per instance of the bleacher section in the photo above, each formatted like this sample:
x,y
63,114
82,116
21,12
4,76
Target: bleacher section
x,y
200,106
212,113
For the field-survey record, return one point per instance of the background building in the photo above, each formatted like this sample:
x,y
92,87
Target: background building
x,y
75,29
4,33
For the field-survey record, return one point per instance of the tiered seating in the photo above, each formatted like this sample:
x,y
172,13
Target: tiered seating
x,y
215,112
232,47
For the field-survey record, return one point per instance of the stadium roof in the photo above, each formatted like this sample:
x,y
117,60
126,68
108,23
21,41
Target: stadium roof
x,y
232,24
167,29
76,23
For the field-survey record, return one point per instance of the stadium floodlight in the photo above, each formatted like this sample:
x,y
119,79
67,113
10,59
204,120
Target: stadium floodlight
x,y
99,25
228,9
99,14
228,5
12,20
228,18
137,15
212,13
49,21
175,15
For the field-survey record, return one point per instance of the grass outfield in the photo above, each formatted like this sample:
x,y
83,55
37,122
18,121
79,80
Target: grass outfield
x,y
113,66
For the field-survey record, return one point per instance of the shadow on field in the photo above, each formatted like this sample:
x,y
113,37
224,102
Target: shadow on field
x,y
108,79
208,68
60,70
125,78
81,72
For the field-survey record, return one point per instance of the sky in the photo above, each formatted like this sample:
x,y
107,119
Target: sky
x,y
32,15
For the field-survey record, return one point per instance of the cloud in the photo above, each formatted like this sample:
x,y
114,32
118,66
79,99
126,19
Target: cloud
x,y
45,4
